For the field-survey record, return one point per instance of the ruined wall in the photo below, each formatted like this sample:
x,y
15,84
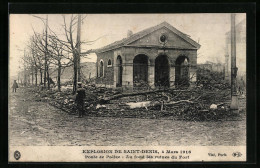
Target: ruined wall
x,y
130,52
108,77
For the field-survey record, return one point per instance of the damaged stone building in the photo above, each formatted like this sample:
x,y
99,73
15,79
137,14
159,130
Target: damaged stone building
x,y
157,56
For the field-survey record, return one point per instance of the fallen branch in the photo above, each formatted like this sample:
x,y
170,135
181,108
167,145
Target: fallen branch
x,y
180,101
107,99
146,104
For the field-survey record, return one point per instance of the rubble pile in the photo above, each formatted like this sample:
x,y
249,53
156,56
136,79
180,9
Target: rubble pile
x,y
199,110
211,80
65,100
208,101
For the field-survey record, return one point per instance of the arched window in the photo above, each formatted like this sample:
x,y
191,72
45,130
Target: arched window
x,y
109,63
101,69
182,71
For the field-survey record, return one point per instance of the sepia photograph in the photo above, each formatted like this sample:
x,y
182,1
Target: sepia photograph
x,y
127,87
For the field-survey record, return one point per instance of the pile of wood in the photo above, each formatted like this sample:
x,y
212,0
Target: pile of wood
x,y
211,80
188,104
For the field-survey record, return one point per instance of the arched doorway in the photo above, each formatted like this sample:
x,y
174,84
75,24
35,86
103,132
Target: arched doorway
x,y
182,71
162,74
140,70
119,71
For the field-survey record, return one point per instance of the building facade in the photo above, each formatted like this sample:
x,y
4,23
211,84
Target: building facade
x,y
157,56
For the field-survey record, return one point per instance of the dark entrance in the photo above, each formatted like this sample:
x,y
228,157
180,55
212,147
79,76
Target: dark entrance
x,y
101,69
119,71
162,69
140,70
182,71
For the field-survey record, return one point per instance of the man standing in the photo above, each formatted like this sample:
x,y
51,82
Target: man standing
x,y
80,99
15,86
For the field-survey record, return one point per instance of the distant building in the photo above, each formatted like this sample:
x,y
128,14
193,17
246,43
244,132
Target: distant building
x,y
88,70
213,67
216,67
205,66
158,56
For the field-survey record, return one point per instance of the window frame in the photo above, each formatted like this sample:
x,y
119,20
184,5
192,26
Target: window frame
x,y
109,65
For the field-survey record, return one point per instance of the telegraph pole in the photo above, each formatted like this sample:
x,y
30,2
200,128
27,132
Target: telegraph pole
x,y
234,100
79,46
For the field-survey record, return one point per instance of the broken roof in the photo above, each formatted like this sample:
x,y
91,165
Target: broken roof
x,y
136,36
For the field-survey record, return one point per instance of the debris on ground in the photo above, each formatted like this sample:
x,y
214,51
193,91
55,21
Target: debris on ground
x,y
213,106
203,102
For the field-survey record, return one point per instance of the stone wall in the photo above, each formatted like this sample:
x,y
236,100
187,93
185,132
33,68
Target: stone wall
x,y
108,77
172,54
128,54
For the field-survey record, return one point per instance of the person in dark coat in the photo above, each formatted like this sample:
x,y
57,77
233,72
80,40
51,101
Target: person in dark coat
x,y
15,86
80,99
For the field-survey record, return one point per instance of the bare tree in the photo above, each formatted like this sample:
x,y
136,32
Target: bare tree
x,y
39,41
28,67
56,56
36,59
71,42
46,67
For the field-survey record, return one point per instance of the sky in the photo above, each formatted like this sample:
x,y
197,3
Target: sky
x,y
207,29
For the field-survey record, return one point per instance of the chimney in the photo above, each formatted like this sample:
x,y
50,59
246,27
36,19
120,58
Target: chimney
x,y
129,33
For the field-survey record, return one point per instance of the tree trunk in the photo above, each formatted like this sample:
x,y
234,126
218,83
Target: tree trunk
x,y
79,47
78,66
45,70
48,77
45,53
146,104
117,96
75,62
36,73
41,75
59,74
32,75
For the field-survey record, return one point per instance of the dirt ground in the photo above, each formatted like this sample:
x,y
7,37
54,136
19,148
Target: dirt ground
x,y
34,123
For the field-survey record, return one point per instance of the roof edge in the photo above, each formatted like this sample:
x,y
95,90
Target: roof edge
x,y
126,41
